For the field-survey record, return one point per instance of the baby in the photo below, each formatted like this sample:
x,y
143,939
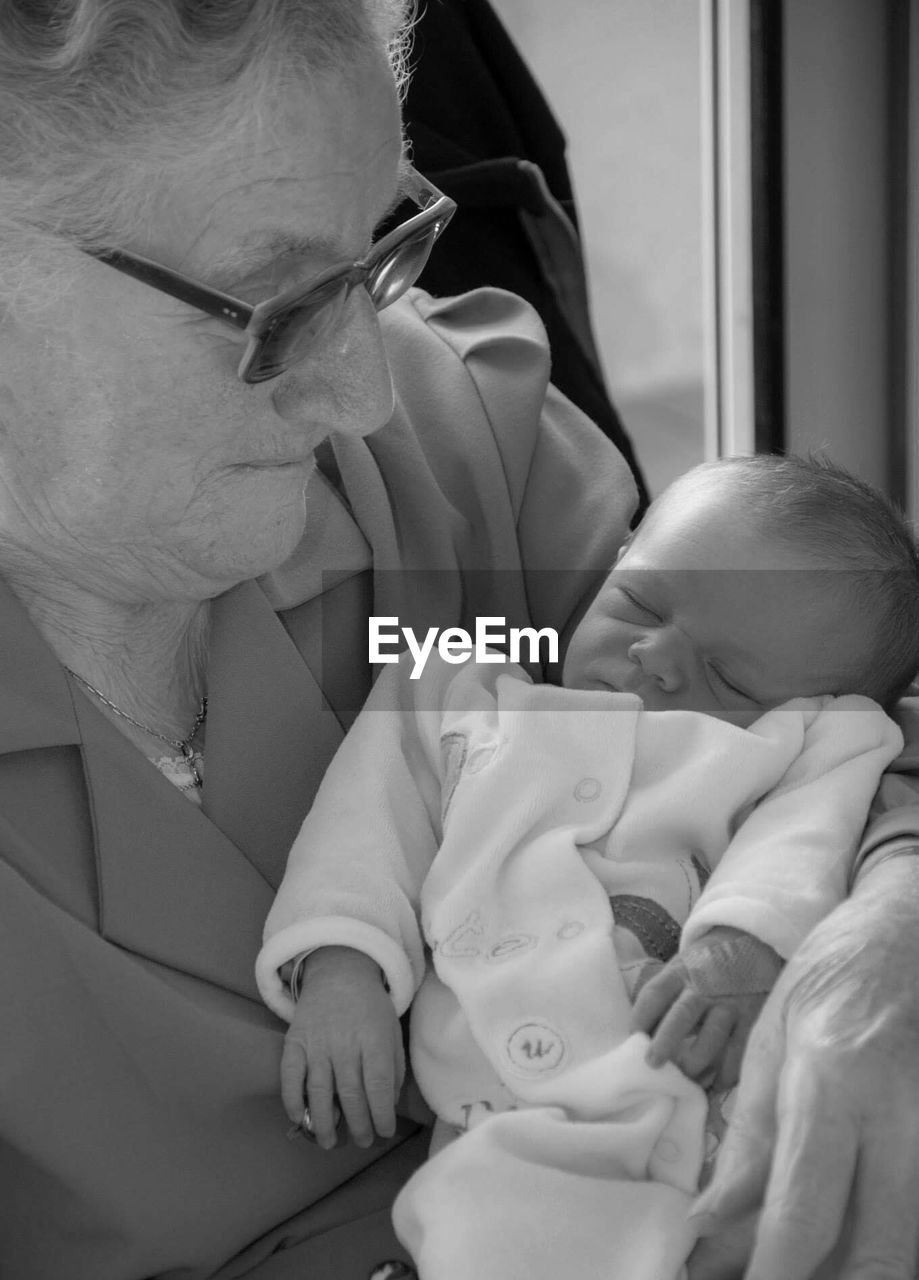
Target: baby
x,y
660,833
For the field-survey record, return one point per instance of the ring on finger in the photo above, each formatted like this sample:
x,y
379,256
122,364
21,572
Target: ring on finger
x,y
305,1127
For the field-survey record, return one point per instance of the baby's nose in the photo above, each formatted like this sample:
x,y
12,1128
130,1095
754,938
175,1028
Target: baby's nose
x,y
658,657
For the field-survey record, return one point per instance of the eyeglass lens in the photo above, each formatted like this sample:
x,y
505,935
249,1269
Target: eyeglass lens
x,y
293,331
398,271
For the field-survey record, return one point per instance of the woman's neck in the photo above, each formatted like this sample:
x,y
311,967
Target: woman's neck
x,y
148,659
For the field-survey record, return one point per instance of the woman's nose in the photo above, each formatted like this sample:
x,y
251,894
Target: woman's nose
x,y
657,656
346,385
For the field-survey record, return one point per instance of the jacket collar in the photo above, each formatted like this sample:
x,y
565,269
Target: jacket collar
x,y
36,708
270,732
184,886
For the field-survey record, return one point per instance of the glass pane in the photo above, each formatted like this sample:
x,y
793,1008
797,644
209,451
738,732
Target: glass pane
x,y
622,76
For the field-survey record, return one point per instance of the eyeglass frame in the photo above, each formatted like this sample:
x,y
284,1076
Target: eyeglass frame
x,y
435,210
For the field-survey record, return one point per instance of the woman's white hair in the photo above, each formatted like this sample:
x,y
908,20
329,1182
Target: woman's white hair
x,y
98,97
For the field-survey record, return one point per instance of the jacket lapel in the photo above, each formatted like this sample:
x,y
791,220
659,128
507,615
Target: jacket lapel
x,y
191,887
35,704
185,886
269,738
169,884
270,732
172,886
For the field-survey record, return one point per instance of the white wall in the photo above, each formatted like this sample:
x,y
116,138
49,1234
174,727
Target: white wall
x,y
623,78
837,233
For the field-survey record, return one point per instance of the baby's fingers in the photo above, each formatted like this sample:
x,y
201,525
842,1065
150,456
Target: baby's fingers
x,y
293,1077
323,1112
709,1045
731,1060
746,1013
655,998
677,1024
384,1114
354,1103
382,1088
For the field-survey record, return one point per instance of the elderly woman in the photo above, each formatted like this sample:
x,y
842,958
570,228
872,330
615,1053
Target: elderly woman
x,y
188,196
215,463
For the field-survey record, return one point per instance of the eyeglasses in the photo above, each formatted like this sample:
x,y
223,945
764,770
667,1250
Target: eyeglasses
x,y
281,330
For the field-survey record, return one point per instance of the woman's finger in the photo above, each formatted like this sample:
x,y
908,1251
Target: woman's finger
x,y
742,1169
883,1235
808,1193
723,1257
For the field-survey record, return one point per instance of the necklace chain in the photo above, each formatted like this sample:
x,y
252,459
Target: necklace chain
x,y
191,757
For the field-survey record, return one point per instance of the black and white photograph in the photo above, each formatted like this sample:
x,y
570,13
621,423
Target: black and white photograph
x,y
459,639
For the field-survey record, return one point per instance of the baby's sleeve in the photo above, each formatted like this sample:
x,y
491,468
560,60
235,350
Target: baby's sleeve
x,y
893,824
788,864
355,871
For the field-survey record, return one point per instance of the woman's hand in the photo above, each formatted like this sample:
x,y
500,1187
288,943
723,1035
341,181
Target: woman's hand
x,y
344,1044
825,1133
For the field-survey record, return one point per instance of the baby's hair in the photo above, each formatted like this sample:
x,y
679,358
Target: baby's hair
x,y
842,523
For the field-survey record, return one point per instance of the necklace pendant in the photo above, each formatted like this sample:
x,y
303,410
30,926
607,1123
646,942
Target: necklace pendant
x,y
192,759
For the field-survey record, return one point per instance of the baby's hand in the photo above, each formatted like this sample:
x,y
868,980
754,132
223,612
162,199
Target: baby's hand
x,y
712,991
345,1043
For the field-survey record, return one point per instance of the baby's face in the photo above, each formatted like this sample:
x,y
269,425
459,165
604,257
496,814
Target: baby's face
x,y
701,613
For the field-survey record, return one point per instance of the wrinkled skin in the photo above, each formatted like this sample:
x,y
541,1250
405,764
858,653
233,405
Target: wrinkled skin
x,y
825,1135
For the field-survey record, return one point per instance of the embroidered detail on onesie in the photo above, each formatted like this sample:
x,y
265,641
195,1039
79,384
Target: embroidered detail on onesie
x,y
482,756
511,946
535,1048
473,1113
588,789
653,926
463,942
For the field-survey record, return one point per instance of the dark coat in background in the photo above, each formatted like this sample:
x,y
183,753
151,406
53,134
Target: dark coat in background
x,y
482,131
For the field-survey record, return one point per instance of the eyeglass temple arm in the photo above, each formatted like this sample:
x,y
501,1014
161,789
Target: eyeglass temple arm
x,y
210,301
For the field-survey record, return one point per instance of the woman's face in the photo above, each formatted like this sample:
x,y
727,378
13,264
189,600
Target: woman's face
x,y
133,462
